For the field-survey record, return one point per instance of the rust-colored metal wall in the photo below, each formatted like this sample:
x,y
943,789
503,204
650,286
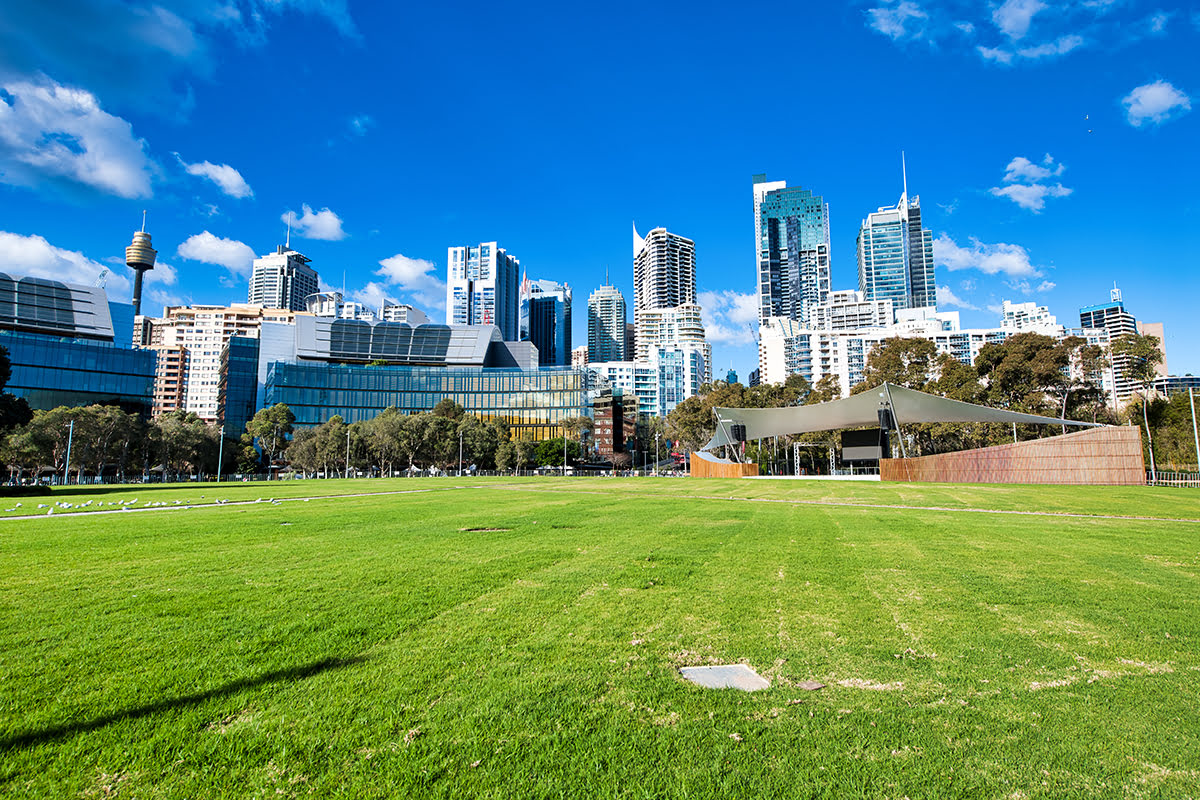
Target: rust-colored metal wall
x,y
702,468
1109,456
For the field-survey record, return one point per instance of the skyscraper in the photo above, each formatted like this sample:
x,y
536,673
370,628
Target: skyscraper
x,y
792,242
664,270
282,279
606,325
482,288
895,255
546,320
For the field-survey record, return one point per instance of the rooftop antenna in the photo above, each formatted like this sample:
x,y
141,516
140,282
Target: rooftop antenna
x,y
609,283
143,220
288,242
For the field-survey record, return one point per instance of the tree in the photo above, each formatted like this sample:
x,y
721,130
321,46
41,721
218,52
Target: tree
x,y
271,429
523,450
826,389
1139,355
549,452
181,440
481,440
907,362
506,456
302,452
1083,392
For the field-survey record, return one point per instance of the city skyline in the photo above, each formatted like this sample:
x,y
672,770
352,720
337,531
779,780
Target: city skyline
x,y
1033,146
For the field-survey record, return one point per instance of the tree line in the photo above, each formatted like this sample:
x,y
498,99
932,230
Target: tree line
x,y
107,442
1028,372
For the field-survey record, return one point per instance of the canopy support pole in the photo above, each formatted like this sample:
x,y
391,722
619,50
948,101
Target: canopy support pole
x,y
895,420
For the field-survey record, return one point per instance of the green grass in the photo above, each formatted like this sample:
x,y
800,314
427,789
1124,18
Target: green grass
x,y
372,647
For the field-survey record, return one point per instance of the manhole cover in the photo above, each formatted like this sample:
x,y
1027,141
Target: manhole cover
x,y
726,676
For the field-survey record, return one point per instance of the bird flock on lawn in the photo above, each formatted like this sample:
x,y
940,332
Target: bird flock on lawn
x,y
126,505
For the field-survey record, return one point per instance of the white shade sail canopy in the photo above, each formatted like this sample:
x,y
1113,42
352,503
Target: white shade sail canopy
x,y
907,406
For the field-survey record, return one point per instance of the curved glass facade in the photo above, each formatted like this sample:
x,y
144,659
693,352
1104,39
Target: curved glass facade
x,y
532,402
50,372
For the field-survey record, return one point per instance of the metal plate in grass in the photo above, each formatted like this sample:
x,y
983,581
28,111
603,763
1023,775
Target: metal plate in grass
x,y
726,676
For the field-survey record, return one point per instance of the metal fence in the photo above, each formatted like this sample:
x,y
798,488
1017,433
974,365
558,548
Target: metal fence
x,y
1188,480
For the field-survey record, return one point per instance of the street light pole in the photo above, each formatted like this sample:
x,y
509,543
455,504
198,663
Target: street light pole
x,y
220,452
67,467
346,474
460,433
1195,434
656,458
1149,439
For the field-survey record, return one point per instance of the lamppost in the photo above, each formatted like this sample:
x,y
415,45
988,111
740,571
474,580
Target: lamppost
x,y
347,472
656,454
67,466
1195,433
220,451
460,433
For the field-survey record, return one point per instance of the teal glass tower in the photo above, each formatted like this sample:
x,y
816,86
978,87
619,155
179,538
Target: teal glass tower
x,y
792,232
895,256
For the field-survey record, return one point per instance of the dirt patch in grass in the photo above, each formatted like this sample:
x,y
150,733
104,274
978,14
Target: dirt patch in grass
x,y
483,530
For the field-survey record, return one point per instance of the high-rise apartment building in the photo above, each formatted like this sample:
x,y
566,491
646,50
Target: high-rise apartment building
x,y
895,256
189,340
664,270
282,279
546,320
482,288
665,327
791,229
606,325
665,311
1116,321
402,312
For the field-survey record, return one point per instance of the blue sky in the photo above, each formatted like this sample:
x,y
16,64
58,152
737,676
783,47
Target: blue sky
x,y
1054,145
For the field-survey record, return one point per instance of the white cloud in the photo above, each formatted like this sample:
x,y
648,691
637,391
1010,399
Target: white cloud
x,y
1031,196
1022,169
163,274
56,135
1014,17
373,294
360,123
1032,193
893,21
323,224
1059,47
235,256
416,277
966,28
729,317
1027,288
1157,23
947,297
229,179
991,259
1155,103
995,54
36,257
141,55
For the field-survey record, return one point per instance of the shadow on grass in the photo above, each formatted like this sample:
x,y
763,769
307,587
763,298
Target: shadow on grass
x,y
52,733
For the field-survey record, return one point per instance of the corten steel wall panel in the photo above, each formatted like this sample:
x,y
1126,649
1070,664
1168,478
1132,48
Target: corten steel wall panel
x,y
702,468
1099,456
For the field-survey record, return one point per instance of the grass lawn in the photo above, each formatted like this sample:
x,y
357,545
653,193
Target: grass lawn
x,y
522,638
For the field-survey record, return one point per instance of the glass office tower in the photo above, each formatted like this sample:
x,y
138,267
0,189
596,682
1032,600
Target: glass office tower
x,y
895,256
792,242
